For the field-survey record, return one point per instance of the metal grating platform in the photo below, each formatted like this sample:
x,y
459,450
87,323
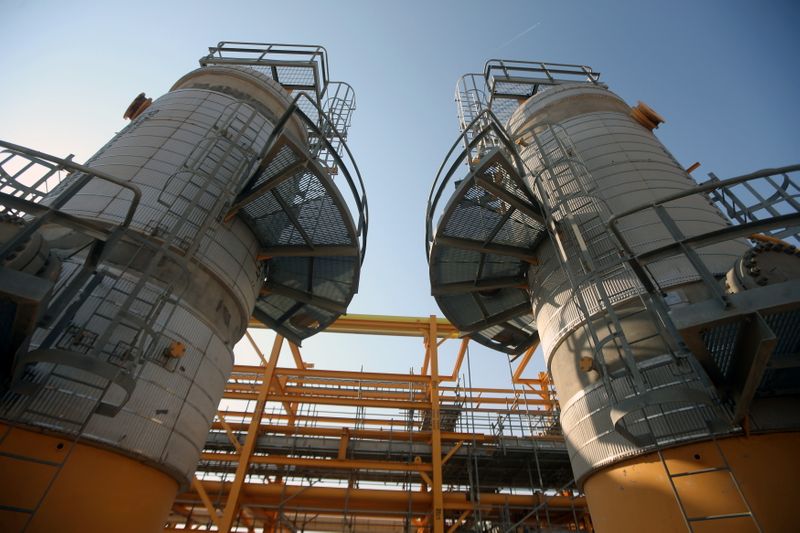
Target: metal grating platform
x,y
296,67
779,373
483,244
510,83
311,246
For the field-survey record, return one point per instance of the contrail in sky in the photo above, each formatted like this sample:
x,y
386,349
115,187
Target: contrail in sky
x,y
519,35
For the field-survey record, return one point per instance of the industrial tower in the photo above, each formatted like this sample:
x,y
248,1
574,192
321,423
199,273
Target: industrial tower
x,y
667,311
126,281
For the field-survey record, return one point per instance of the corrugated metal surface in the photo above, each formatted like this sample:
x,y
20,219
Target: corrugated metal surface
x,y
189,154
604,164
626,165
590,435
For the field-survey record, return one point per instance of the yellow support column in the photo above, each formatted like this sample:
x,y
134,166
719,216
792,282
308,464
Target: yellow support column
x,y
232,505
436,434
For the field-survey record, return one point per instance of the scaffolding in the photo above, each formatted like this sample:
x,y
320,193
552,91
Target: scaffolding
x,y
308,449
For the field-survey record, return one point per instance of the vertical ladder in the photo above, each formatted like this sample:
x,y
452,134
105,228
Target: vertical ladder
x,y
567,193
576,219
739,514
131,308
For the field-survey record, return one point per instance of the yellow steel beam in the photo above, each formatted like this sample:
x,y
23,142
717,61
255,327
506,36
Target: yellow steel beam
x,y
539,386
298,358
350,392
428,481
256,348
427,360
416,436
459,359
344,441
272,459
323,419
524,363
353,387
380,379
246,390
436,435
232,504
371,500
197,485
397,326
394,388
405,386
460,520
229,431
452,451
277,383
374,421
291,410
466,391
304,384
321,521
338,374
319,400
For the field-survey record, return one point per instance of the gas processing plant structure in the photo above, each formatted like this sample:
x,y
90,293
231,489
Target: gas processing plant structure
x,y
125,285
668,312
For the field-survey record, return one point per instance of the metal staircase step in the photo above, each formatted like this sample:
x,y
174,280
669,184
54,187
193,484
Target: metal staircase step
x,y
700,471
309,242
749,516
481,252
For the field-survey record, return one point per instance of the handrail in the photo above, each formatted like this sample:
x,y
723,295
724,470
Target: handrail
x,y
75,167
704,187
678,245
540,67
700,189
313,51
436,192
361,201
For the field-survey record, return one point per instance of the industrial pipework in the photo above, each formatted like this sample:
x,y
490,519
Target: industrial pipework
x,y
670,339
125,285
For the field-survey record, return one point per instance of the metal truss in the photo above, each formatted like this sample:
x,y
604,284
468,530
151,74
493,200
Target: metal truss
x,y
304,448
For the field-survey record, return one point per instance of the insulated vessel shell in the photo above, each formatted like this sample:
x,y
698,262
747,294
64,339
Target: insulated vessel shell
x,y
595,161
168,306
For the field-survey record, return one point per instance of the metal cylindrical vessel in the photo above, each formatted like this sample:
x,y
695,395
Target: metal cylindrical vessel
x,y
594,160
617,164
168,306
590,159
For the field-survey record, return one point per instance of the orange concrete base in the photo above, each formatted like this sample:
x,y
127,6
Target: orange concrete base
x,y
96,490
635,495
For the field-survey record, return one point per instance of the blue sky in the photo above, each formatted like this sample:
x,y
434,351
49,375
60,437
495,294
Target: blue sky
x,y
724,75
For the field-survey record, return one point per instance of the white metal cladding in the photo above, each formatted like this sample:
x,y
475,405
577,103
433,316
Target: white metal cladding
x,y
170,409
627,166
188,126
189,153
591,439
621,165
246,84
